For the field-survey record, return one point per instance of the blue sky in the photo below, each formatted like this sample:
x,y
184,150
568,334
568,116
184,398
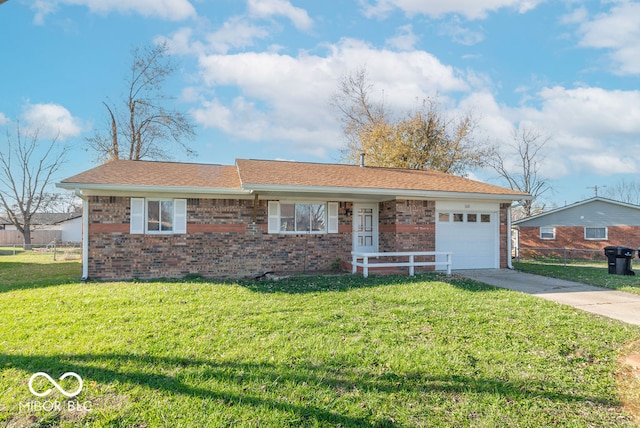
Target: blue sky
x,y
256,76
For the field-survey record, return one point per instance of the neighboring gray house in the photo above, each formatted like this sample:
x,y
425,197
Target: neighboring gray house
x,y
46,227
591,224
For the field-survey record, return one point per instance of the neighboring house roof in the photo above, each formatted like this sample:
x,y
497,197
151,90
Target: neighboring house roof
x,y
42,219
597,210
270,177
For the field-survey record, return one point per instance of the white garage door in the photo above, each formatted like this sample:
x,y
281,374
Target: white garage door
x,y
471,232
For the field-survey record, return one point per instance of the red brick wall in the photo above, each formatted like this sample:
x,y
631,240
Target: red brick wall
x,y
573,237
221,241
407,225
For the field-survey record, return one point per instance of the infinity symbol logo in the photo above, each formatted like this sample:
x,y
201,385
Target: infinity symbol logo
x,y
54,383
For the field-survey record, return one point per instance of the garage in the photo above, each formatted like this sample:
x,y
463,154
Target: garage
x,y
471,232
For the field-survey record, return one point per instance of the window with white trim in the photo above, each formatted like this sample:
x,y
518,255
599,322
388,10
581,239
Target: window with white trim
x,y
158,216
303,217
595,233
547,233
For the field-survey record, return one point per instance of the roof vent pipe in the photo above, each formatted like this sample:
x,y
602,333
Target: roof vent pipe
x,y
362,159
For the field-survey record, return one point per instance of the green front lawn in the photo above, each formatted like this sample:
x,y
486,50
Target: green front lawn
x,y
593,273
314,351
32,269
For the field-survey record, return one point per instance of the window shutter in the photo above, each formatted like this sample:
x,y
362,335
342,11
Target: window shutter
x,y
274,217
332,209
179,216
136,222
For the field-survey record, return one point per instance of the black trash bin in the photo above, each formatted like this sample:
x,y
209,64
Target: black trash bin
x,y
619,259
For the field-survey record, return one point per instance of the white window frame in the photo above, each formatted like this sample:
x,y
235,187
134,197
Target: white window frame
x,y
139,222
330,217
553,233
606,233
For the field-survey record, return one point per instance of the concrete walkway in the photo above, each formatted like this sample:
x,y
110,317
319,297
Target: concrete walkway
x,y
602,301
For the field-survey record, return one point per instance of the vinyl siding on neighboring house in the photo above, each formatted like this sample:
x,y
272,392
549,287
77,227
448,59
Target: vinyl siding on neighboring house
x,y
595,213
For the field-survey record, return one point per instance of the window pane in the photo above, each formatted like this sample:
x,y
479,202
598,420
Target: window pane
x,y
443,217
595,233
287,217
458,217
485,218
317,218
547,233
303,217
472,218
153,215
166,216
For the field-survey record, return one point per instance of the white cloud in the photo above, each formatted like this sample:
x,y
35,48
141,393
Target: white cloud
x,y
577,16
460,33
289,98
471,9
51,121
618,32
606,162
181,43
269,8
171,10
588,111
404,40
236,33
592,130
3,119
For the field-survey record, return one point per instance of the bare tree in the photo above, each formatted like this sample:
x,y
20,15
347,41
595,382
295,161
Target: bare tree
x,y
359,114
519,163
624,191
425,138
26,172
144,127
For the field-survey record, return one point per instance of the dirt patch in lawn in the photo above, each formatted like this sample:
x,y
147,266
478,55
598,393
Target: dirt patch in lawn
x,y
629,378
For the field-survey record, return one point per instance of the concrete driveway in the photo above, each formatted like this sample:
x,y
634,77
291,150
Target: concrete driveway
x,y
602,301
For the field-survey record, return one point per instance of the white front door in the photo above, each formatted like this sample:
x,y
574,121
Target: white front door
x,y
365,228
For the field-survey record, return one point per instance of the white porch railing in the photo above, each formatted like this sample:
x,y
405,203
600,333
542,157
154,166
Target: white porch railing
x,y
411,264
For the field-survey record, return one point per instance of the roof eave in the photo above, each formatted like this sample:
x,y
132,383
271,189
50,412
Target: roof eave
x,y
373,192
154,189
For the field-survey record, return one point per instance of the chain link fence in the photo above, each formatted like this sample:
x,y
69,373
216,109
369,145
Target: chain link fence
x,y
58,250
560,255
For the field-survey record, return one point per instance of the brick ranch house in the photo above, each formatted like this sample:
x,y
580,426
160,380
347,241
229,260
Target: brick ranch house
x,y
164,219
586,226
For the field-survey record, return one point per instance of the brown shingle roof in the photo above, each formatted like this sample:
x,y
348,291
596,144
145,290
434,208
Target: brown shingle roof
x,y
159,174
277,175
282,173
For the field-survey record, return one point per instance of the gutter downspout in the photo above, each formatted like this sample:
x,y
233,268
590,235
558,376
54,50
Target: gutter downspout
x,y
509,237
85,235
